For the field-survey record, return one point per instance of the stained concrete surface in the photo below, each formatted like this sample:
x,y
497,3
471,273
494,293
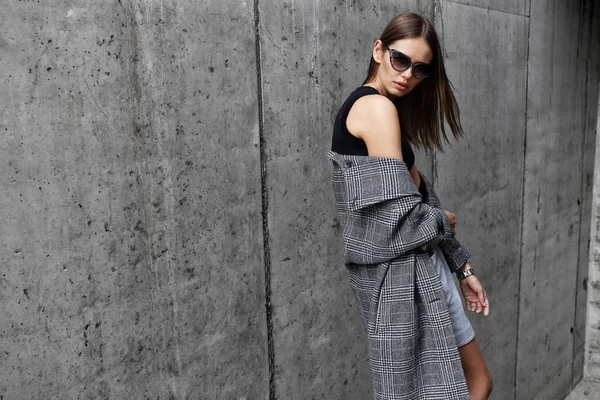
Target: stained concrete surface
x,y
556,105
589,386
520,7
131,264
584,298
587,389
592,346
487,69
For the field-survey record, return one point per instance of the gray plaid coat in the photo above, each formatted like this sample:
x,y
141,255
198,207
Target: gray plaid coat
x,y
388,231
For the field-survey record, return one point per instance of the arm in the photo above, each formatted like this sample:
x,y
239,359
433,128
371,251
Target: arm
x,y
381,225
457,258
456,255
474,294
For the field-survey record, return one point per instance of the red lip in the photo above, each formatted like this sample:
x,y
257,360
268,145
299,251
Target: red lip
x,y
401,86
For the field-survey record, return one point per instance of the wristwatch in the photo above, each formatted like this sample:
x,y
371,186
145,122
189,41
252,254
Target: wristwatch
x,y
462,275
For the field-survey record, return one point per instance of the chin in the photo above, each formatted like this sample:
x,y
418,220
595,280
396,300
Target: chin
x,y
407,91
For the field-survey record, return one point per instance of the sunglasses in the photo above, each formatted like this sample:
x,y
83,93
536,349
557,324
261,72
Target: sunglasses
x,y
401,62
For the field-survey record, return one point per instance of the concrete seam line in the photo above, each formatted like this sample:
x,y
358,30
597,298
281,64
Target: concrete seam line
x,y
265,223
488,9
437,12
520,276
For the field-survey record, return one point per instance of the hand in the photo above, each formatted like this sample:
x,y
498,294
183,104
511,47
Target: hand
x,y
452,219
474,294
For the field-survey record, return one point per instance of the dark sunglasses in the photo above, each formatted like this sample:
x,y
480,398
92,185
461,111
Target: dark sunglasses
x,y
401,62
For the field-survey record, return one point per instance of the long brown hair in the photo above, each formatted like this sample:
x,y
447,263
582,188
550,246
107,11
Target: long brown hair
x,y
423,110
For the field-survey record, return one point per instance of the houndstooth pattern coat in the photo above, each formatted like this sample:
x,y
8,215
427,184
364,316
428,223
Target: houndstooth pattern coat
x,y
388,231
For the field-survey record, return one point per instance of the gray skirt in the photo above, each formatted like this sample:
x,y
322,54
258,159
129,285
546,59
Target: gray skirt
x,y
463,331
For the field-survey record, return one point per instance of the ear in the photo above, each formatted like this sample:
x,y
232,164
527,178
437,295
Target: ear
x,y
378,51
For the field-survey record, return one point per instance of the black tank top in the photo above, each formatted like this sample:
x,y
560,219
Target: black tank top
x,y
343,142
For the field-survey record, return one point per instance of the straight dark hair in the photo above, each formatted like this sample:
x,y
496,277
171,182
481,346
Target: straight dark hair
x,y
423,110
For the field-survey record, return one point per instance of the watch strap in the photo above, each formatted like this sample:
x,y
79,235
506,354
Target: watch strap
x,y
462,275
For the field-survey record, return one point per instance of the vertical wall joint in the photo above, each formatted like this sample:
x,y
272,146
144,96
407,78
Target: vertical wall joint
x,y
265,223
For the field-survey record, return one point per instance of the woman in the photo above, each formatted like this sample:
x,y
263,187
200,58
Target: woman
x,y
399,244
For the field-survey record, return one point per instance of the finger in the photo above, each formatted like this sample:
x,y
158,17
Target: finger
x,y
485,298
473,306
486,310
481,295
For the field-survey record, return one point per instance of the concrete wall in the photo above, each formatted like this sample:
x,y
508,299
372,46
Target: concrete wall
x,y
567,107
168,222
131,244
523,81
592,362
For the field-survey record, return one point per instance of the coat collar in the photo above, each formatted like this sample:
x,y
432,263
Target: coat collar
x,y
347,160
364,180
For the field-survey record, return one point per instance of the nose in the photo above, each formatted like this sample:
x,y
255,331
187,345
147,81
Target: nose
x,y
408,73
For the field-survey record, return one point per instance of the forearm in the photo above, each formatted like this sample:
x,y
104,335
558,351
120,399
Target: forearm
x,y
455,253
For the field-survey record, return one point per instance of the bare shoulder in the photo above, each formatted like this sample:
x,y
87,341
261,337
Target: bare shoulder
x,y
374,119
369,110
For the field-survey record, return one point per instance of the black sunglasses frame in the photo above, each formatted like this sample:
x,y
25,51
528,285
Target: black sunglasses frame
x,y
412,65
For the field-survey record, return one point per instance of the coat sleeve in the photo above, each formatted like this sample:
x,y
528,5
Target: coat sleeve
x,y
381,232
376,231
456,254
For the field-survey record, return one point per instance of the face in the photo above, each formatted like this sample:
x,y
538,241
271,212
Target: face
x,y
392,83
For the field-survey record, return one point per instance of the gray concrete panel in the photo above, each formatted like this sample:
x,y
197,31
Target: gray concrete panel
x,y
587,389
592,355
520,7
552,197
479,176
314,54
131,230
131,221
590,60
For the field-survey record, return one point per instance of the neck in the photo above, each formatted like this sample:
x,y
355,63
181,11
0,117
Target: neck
x,y
379,87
